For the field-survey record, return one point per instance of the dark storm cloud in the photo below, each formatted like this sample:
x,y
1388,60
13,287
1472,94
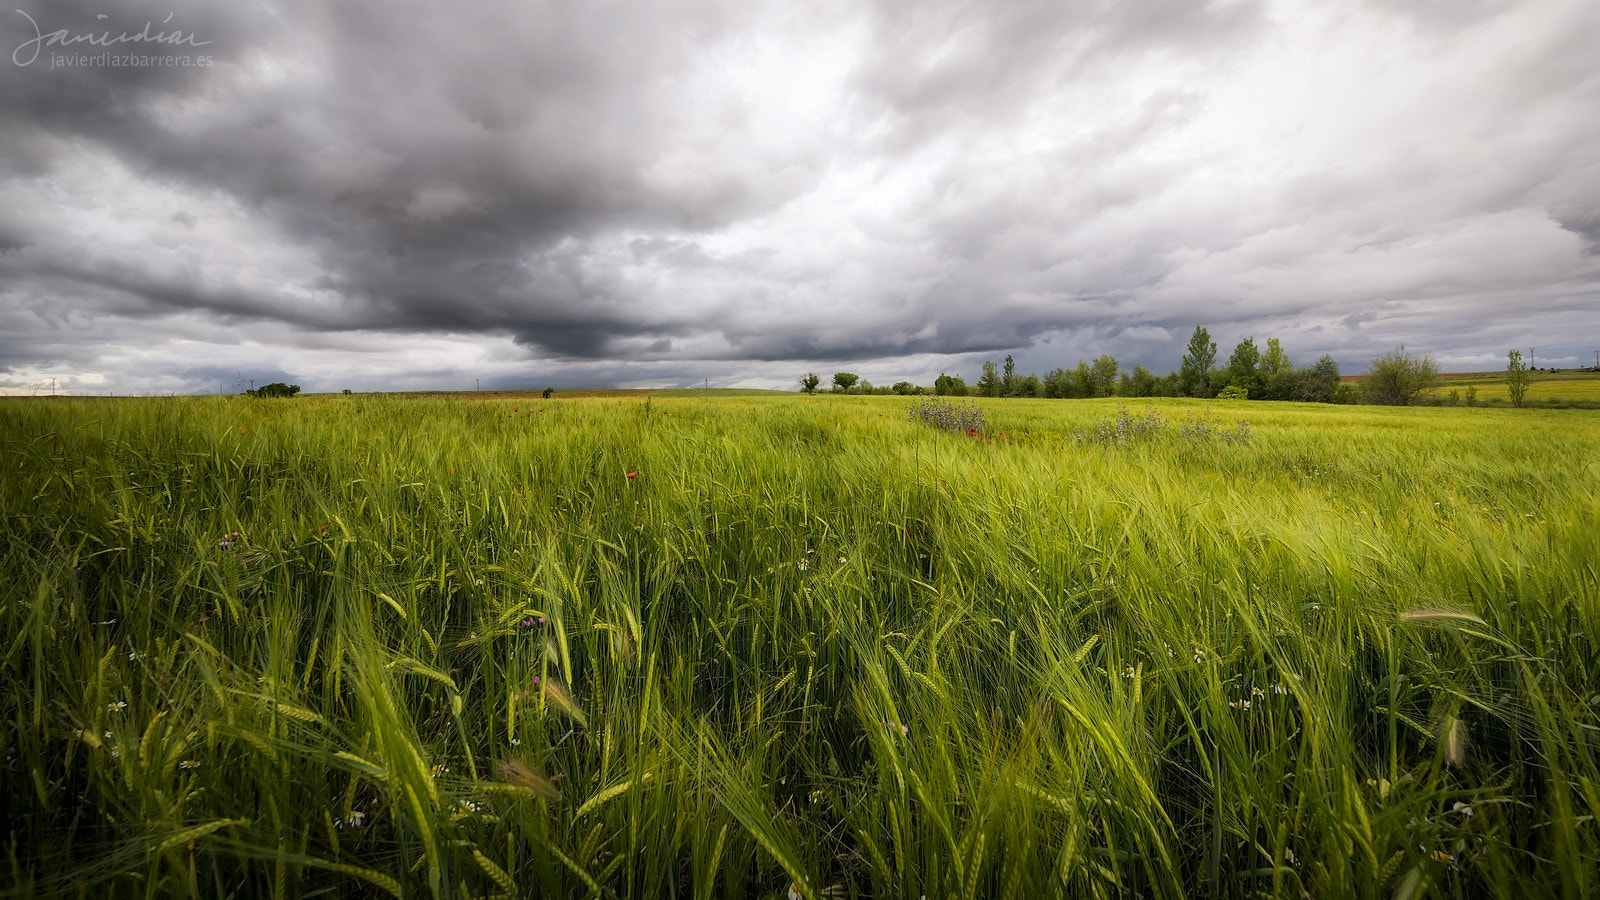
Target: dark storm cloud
x,y
734,184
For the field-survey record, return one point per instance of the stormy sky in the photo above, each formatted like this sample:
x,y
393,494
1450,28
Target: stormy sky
x,y
399,195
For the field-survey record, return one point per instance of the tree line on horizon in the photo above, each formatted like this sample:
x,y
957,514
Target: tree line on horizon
x,y
1249,373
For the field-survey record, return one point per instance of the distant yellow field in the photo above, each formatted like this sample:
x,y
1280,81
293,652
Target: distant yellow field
x,y
1542,387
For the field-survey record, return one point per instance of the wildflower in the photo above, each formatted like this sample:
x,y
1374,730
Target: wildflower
x,y
1462,808
815,796
439,769
1240,704
1280,689
794,890
118,706
633,474
1199,656
1257,692
1127,672
802,565
842,560
189,764
135,656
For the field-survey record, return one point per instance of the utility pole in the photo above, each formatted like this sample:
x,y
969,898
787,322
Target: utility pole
x,y
52,387
1533,358
477,384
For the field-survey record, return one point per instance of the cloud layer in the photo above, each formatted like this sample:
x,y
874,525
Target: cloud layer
x,y
376,195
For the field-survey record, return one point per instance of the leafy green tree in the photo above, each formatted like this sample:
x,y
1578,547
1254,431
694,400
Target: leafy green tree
x,y
844,381
1103,375
1318,382
1058,383
1029,385
1242,371
1516,378
275,389
809,383
1138,383
1008,379
1278,378
1194,375
904,388
1083,380
1275,361
1398,377
989,383
950,386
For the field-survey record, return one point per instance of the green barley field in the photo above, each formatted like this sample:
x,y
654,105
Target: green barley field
x,y
776,646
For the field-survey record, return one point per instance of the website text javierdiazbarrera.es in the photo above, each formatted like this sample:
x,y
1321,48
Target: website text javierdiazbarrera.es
x,y
128,60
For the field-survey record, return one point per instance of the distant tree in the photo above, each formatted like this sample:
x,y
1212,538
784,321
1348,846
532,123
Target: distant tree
x,y
1194,374
1397,378
862,387
1082,380
1008,379
905,388
989,383
275,389
1275,361
1516,378
1103,375
1057,383
1242,371
844,381
1318,382
950,386
1278,379
1138,383
809,383
547,393
1029,385
1233,392
1166,386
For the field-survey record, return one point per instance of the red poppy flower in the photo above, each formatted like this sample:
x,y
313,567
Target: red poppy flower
x,y
632,474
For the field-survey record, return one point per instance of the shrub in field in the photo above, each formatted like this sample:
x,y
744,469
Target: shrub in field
x,y
1398,377
947,416
1204,430
1124,429
1128,428
275,389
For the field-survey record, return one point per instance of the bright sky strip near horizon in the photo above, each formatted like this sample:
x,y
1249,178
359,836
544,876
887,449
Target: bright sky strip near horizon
x,y
392,195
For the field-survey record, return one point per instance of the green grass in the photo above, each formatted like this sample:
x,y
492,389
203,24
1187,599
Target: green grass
x,y
455,650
